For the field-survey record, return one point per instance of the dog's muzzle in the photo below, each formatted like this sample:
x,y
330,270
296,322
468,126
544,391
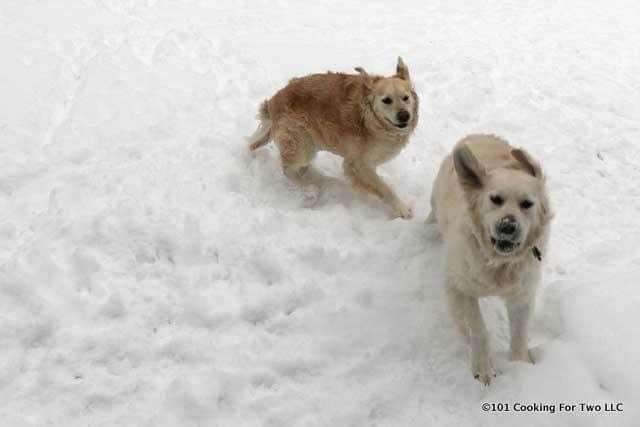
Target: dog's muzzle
x,y
507,235
402,119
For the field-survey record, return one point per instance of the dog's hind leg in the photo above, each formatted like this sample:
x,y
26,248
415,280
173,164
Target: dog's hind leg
x,y
297,150
431,219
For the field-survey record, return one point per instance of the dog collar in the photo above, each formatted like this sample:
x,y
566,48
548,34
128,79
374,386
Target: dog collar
x,y
536,253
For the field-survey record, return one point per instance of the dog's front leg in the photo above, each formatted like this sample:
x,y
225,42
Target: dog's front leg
x,y
465,310
366,178
519,309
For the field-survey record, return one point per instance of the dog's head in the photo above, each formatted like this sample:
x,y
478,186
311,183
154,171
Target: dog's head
x,y
508,206
393,99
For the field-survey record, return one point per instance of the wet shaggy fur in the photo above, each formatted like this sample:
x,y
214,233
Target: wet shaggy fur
x,y
484,181
346,114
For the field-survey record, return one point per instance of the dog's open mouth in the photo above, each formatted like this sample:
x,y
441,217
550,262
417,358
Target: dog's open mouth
x,y
398,125
504,246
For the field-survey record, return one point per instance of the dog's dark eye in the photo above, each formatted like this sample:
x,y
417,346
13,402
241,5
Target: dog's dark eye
x,y
387,100
497,200
405,98
526,204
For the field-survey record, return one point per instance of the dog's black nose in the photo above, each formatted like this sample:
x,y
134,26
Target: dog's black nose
x,y
508,226
403,116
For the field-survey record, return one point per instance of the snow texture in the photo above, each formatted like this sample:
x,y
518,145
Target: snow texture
x,y
153,272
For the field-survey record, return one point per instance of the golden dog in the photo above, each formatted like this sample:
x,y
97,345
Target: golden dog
x,y
365,119
490,202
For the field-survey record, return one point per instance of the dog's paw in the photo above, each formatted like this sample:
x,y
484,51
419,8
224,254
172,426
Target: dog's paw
x,y
482,370
310,195
484,376
403,211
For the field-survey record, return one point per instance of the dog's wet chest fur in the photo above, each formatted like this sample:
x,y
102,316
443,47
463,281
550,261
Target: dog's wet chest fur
x,y
373,151
379,150
486,280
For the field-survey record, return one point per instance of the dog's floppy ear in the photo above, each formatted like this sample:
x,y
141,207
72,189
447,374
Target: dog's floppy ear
x,y
471,174
527,161
366,78
402,71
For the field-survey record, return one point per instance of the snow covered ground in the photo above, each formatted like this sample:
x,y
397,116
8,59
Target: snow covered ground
x,y
153,272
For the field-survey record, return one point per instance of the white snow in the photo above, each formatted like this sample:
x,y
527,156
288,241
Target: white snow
x,y
154,272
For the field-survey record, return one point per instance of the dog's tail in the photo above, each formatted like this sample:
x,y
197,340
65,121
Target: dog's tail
x,y
262,135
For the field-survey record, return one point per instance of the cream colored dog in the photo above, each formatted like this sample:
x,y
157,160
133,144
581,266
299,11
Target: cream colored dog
x,y
491,206
365,119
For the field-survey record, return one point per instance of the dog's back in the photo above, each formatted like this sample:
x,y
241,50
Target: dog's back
x,y
328,97
327,104
491,151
